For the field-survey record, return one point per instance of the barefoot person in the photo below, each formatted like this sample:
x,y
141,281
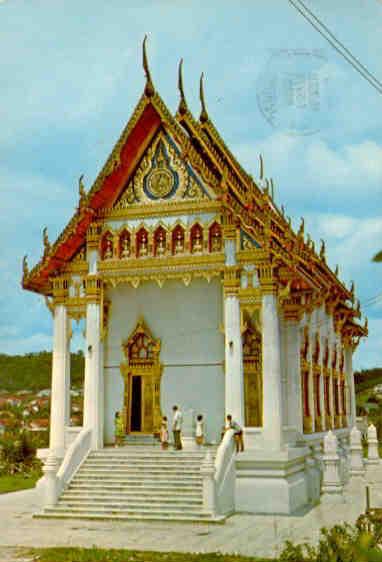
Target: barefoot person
x,y
232,424
177,427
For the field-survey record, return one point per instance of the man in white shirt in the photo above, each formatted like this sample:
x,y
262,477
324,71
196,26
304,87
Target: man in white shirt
x,y
177,427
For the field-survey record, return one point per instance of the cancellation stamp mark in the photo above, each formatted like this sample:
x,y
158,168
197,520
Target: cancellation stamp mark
x,y
292,90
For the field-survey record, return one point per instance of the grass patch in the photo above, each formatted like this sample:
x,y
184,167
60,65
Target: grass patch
x,y
17,482
114,555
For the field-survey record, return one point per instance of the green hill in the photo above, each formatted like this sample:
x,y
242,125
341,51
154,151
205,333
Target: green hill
x,y
33,371
367,378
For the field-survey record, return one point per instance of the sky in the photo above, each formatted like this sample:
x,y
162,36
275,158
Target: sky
x,y
72,75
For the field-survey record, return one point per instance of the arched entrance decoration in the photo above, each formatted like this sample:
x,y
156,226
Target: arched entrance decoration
x,y
141,372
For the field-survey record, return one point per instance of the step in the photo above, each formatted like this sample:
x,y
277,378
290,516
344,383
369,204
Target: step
x,y
126,511
126,500
137,481
85,469
130,505
139,461
136,486
126,494
185,518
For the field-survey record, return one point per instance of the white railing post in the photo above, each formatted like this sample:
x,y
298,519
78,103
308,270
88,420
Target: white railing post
x,y
356,455
372,445
207,470
50,469
331,484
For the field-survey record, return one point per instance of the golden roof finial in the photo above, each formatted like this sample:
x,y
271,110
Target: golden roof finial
x,y
25,267
366,326
283,210
352,290
261,167
81,189
204,115
301,230
322,249
337,270
149,88
358,309
45,240
272,189
266,188
182,104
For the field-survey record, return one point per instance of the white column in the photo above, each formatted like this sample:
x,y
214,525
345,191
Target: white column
x,y
295,412
94,384
351,407
272,413
234,379
67,378
60,375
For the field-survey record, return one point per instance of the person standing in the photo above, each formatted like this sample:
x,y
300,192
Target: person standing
x,y
119,429
199,430
232,424
177,427
163,434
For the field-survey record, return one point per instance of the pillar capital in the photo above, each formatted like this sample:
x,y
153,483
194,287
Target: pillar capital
x,y
267,278
60,289
93,236
93,289
231,280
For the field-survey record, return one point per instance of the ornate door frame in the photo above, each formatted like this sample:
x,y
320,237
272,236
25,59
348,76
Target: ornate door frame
x,y
142,351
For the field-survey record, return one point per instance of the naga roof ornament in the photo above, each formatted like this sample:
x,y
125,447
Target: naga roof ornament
x,y
203,115
182,109
149,88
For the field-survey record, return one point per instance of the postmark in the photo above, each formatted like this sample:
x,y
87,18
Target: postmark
x,y
293,90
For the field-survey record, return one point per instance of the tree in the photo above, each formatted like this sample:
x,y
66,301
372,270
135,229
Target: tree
x,y
378,257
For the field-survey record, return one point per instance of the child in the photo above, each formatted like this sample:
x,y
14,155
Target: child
x,y
163,434
119,429
199,431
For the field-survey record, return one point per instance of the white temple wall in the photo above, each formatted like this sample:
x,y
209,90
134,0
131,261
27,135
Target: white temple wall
x,y
187,320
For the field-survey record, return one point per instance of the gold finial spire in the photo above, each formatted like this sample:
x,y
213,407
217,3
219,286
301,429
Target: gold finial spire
x,y
45,240
204,115
283,210
322,250
182,104
81,190
261,167
366,326
337,270
301,230
352,290
272,189
149,88
25,267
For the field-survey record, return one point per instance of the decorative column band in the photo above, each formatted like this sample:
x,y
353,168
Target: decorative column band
x,y
93,288
229,232
93,236
60,287
231,280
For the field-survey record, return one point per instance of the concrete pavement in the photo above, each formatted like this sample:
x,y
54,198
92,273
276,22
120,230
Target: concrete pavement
x,y
246,534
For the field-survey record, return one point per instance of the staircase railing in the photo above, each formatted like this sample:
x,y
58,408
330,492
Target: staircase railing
x,y
219,477
75,455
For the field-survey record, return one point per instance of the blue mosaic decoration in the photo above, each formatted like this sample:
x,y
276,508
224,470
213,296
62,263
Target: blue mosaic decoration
x,y
162,181
246,242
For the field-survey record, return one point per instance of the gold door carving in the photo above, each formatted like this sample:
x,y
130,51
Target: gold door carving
x,y
253,384
141,352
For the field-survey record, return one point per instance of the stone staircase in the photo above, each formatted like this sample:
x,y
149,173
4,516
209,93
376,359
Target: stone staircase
x,y
136,482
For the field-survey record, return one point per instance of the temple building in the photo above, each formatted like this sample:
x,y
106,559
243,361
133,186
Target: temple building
x,y
196,291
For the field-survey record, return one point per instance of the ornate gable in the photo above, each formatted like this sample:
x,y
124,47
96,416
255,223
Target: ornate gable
x,y
163,175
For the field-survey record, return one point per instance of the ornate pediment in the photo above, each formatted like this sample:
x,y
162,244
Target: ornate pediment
x,y
163,176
